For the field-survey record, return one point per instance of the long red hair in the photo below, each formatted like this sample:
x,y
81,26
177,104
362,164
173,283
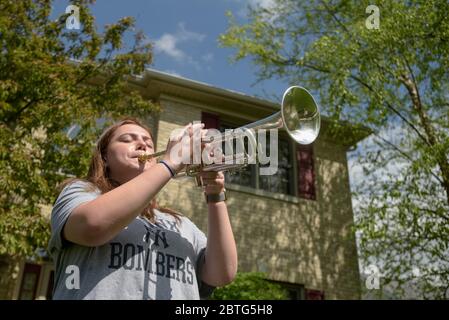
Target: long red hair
x,y
99,176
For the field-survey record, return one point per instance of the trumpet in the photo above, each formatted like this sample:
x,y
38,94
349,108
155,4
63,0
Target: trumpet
x,y
299,117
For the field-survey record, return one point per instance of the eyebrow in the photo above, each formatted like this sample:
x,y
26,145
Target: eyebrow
x,y
133,135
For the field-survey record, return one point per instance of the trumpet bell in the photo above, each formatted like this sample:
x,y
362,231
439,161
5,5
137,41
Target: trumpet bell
x,y
300,115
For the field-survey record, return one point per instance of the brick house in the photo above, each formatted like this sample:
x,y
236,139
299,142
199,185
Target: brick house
x,y
296,226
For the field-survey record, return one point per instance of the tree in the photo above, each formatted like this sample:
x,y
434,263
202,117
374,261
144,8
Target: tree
x,y
250,286
55,86
394,80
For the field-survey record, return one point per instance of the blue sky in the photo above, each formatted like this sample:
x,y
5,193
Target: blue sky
x,y
185,38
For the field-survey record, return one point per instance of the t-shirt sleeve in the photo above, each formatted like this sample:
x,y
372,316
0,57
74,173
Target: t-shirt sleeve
x,y
200,243
71,196
199,238
205,290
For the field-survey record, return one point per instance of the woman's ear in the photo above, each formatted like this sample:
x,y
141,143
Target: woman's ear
x,y
105,160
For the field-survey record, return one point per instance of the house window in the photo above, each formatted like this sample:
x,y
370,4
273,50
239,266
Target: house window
x,y
30,279
245,176
284,180
294,291
281,181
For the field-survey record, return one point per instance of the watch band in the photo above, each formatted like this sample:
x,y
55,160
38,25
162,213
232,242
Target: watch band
x,y
213,198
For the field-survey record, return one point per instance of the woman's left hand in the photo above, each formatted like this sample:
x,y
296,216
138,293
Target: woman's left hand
x,y
213,182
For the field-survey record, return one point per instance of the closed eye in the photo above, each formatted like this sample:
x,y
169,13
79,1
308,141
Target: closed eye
x,y
129,137
126,139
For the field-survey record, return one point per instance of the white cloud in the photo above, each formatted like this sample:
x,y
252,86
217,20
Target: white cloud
x,y
267,4
185,35
262,3
208,57
168,43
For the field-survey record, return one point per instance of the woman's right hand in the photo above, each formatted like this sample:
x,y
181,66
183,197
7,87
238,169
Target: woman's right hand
x,y
179,151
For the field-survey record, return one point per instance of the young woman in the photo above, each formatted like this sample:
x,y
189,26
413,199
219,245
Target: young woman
x,y
110,239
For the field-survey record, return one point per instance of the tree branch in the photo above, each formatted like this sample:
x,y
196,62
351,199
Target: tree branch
x,y
380,67
405,155
411,85
366,85
14,117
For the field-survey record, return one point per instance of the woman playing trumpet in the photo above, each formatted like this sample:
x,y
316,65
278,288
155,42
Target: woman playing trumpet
x,y
110,239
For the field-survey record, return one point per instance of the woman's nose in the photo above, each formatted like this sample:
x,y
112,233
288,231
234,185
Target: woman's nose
x,y
141,146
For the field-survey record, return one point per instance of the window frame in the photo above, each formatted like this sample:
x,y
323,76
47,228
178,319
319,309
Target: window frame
x,y
33,269
255,176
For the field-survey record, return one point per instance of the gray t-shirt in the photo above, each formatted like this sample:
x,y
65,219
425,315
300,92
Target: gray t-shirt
x,y
145,260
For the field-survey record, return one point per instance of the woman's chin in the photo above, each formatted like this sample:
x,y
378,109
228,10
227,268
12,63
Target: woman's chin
x,y
139,166
146,166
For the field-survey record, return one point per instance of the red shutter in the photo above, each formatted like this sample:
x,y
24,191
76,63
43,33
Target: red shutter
x,y
314,294
210,120
306,173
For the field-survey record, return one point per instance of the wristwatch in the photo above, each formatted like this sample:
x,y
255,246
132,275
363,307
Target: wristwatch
x,y
213,198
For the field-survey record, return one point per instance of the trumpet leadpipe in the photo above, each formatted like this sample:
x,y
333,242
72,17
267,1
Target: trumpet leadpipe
x,y
144,157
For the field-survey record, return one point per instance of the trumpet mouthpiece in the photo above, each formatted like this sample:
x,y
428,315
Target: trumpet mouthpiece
x,y
144,157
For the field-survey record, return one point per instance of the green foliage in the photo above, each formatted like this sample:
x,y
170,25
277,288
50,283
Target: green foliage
x,y
394,80
250,286
44,93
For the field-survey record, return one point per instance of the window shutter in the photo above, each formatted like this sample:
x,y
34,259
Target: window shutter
x,y
306,173
210,120
314,294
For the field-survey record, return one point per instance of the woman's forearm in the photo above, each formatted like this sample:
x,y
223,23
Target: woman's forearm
x,y
221,253
99,220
